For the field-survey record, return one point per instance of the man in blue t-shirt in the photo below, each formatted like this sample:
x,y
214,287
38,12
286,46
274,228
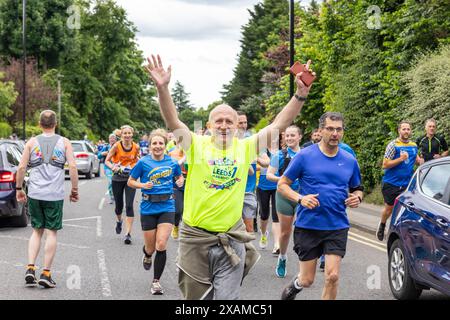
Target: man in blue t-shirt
x,y
398,165
330,181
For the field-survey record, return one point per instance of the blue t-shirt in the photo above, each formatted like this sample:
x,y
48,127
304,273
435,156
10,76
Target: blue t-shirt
x,y
265,184
251,180
331,178
400,174
161,173
347,148
277,161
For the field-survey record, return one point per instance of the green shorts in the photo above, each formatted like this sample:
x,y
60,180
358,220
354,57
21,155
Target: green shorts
x,y
46,214
284,206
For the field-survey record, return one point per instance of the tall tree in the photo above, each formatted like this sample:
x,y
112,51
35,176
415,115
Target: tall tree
x,y
181,97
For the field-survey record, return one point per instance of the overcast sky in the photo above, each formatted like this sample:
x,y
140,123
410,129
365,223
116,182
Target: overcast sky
x,y
199,38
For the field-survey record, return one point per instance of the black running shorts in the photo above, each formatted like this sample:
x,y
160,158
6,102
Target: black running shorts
x,y
150,222
311,244
390,192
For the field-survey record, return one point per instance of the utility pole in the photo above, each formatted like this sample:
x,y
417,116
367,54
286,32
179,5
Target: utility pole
x,y
291,45
24,62
59,76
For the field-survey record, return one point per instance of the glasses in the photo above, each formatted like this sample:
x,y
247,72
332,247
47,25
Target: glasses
x,y
332,129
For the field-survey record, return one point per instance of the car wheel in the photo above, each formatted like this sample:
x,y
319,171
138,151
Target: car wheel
x,y
400,281
89,174
97,174
22,220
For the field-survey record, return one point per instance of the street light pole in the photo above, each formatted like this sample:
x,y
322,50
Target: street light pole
x,y
59,103
24,58
291,45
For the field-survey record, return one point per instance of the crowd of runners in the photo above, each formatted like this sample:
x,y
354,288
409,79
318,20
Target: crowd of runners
x,y
216,190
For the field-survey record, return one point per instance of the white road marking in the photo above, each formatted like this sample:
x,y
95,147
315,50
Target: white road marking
x,y
379,243
106,287
99,227
85,218
100,205
59,243
75,226
367,244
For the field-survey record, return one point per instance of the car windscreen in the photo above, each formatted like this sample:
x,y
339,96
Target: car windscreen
x,y
77,147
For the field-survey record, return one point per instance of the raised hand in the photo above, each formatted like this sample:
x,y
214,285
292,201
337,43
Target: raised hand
x,y
156,70
302,89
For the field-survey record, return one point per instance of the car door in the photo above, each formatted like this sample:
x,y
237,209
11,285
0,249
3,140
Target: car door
x,y
436,187
416,230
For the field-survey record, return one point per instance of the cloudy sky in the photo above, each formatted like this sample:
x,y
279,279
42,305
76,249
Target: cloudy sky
x,y
199,38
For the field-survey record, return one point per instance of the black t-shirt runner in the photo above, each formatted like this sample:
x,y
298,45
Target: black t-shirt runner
x,y
428,147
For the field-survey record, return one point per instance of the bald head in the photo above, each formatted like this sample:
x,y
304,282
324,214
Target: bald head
x,y
47,119
222,109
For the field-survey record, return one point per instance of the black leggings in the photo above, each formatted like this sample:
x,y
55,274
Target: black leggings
x,y
266,198
179,205
118,188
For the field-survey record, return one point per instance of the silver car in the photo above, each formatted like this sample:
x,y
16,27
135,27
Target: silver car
x,y
86,159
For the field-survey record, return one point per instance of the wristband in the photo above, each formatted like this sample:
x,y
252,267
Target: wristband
x,y
360,199
300,98
299,201
18,188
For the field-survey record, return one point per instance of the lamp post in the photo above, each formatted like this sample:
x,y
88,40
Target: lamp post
x,y
59,76
24,58
291,45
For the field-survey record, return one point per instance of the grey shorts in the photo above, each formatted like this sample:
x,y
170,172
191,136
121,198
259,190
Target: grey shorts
x,y
250,206
225,278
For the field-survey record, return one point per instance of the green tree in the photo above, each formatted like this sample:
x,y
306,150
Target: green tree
x,y
428,95
48,37
7,97
181,97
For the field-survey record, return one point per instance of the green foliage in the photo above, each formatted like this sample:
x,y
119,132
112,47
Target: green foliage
x,y
267,18
428,83
7,97
5,130
181,97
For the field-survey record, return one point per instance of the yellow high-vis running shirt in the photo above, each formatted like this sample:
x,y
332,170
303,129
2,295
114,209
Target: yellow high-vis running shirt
x,y
215,185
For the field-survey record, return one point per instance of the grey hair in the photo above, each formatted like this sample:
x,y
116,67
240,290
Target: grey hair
x,y
333,116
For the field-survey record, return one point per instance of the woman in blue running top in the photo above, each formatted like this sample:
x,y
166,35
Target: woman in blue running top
x,y
156,173
285,208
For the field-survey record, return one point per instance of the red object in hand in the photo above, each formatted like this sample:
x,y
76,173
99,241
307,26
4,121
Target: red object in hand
x,y
307,76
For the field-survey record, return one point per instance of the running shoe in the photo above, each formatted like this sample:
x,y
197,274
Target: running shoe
x,y
380,231
156,288
276,251
263,241
290,292
280,270
127,239
146,260
30,277
322,263
119,227
175,232
46,281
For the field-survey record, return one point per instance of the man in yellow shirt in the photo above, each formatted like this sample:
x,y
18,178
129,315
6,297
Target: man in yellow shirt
x,y
215,251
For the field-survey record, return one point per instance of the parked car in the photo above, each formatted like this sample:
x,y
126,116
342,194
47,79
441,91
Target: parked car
x,y
12,213
419,233
86,159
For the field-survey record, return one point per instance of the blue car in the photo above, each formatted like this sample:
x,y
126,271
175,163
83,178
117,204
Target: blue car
x,y
419,233
12,213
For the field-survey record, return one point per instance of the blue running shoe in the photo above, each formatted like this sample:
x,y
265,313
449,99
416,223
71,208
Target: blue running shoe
x,y
281,268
